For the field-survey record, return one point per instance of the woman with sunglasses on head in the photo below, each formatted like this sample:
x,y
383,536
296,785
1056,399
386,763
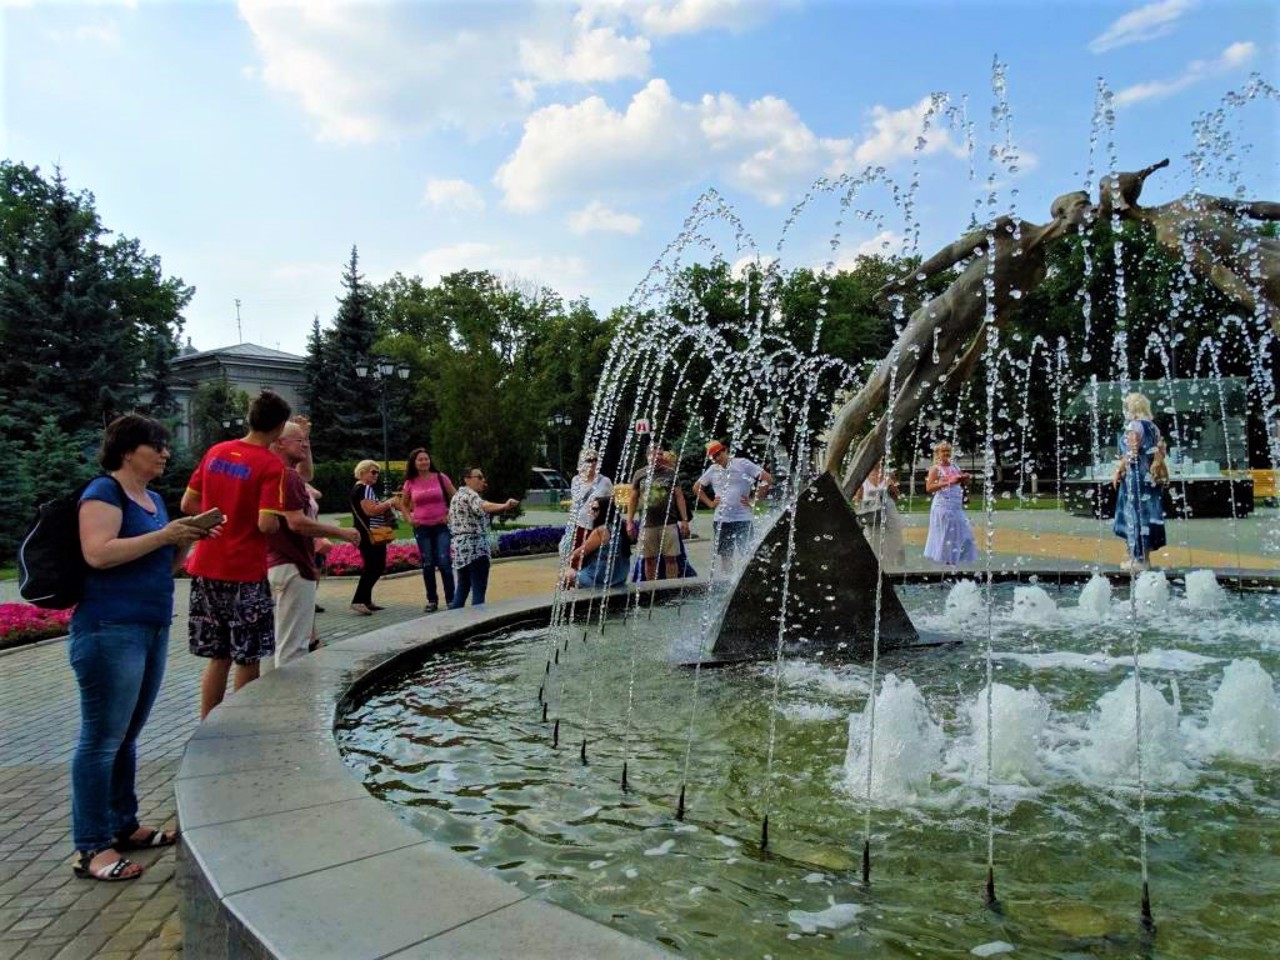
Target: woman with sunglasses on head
x,y
425,502
469,527
120,640
376,521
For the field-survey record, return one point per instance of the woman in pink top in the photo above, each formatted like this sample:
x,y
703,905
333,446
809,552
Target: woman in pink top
x,y
427,493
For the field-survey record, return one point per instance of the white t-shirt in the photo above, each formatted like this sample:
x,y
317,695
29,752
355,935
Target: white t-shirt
x,y
582,492
731,483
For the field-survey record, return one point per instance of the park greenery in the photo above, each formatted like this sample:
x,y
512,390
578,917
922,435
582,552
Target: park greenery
x,y
89,326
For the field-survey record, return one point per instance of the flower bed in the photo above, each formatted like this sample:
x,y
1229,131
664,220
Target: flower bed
x,y
22,623
344,559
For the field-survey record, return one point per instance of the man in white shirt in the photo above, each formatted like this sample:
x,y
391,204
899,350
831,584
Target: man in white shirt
x,y
587,486
736,483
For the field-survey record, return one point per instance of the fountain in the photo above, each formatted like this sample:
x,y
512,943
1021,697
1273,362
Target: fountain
x,y
1099,744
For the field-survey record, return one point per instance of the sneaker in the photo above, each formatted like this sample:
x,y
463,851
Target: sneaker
x,y
431,608
361,609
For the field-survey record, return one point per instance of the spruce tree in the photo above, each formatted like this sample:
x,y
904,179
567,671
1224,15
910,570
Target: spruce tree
x,y
316,391
352,425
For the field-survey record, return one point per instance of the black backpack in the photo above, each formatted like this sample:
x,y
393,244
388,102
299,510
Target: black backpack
x,y
51,566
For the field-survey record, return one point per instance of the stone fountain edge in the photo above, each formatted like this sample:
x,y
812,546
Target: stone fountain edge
x,y
285,855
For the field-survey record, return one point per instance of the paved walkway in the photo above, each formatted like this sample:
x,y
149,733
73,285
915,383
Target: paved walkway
x,y
45,912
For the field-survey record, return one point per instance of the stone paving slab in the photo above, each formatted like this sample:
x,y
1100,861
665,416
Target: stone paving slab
x,y
45,912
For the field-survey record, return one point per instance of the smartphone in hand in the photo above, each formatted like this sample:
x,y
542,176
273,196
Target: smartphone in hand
x,y
207,520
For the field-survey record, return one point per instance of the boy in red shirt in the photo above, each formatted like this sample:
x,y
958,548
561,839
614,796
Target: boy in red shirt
x,y
231,617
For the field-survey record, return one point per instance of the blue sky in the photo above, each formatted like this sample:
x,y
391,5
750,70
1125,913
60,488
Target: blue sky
x,y
251,144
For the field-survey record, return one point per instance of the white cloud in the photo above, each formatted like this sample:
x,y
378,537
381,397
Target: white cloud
x,y
592,55
897,134
669,17
371,71
660,143
453,195
1148,22
595,217
742,264
1236,55
884,244
564,274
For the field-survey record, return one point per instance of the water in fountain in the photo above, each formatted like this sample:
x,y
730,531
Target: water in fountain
x,y
939,749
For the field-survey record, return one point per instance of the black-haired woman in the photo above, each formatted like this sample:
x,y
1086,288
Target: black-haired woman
x,y
425,501
119,642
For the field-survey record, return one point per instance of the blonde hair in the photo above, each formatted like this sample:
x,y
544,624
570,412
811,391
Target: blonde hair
x,y
1137,407
938,446
364,465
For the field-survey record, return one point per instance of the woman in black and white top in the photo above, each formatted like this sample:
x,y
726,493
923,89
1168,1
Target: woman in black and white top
x,y
376,521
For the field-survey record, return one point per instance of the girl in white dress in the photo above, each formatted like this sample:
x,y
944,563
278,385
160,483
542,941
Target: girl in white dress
x,y
950,537
878,512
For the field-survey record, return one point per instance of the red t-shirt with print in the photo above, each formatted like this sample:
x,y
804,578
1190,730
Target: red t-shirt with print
x,y
242,480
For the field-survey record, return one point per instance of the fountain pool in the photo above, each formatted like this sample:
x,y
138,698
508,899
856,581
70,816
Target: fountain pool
x,y
459,747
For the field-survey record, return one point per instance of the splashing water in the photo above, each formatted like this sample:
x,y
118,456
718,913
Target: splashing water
x,y
1018,722
1095,598
1033,605
1151,593
1111,750
909,745
1244,721
1203,591
965,602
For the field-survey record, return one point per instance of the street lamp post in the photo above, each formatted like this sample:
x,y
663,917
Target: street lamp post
x,y
559,421
382,369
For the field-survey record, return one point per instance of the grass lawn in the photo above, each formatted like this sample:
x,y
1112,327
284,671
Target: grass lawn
x,y
922,502
8,571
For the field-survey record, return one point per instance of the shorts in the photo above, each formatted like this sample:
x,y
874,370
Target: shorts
x,y
732,536
231,620
659,541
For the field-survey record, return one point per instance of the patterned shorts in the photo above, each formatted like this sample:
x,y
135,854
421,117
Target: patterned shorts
x,y
231,620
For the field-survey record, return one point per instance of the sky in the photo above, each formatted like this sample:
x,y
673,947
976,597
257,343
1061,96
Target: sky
x,y
252,144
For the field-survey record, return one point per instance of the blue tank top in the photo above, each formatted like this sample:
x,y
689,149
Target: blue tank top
x,y
140,591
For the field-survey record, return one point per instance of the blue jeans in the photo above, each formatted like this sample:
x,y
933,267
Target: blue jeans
x,y
118,667
433,546
474,579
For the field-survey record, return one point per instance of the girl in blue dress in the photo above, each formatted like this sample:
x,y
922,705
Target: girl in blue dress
x,y
1140,477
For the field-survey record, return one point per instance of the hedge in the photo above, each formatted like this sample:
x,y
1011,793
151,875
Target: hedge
x,y
344,559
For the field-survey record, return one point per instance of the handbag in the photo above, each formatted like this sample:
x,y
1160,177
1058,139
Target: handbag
x,y
382,534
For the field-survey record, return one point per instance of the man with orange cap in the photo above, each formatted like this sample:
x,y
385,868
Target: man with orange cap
x,y
736,483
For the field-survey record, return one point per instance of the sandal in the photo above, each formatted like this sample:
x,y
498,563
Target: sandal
x,y
114,872
153,840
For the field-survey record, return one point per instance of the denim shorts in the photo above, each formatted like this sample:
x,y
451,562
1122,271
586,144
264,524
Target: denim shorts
x,y
230,620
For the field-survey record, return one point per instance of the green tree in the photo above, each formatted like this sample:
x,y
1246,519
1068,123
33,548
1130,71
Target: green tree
x,y
217,413
78,315
56,461
347,424
17,504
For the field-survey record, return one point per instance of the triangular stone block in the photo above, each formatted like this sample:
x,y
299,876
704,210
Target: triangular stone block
x,y
831,590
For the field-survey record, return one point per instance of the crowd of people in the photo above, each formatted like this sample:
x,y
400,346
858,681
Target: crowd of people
x,y
252,541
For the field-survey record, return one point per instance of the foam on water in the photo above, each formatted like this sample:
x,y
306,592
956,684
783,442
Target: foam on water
x,y
1204,592
1244,720
810,712
1032,605
1095,598
837,915
908,745
1182,661
842,681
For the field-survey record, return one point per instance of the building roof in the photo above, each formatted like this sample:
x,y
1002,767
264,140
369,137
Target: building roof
x,y
241,351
